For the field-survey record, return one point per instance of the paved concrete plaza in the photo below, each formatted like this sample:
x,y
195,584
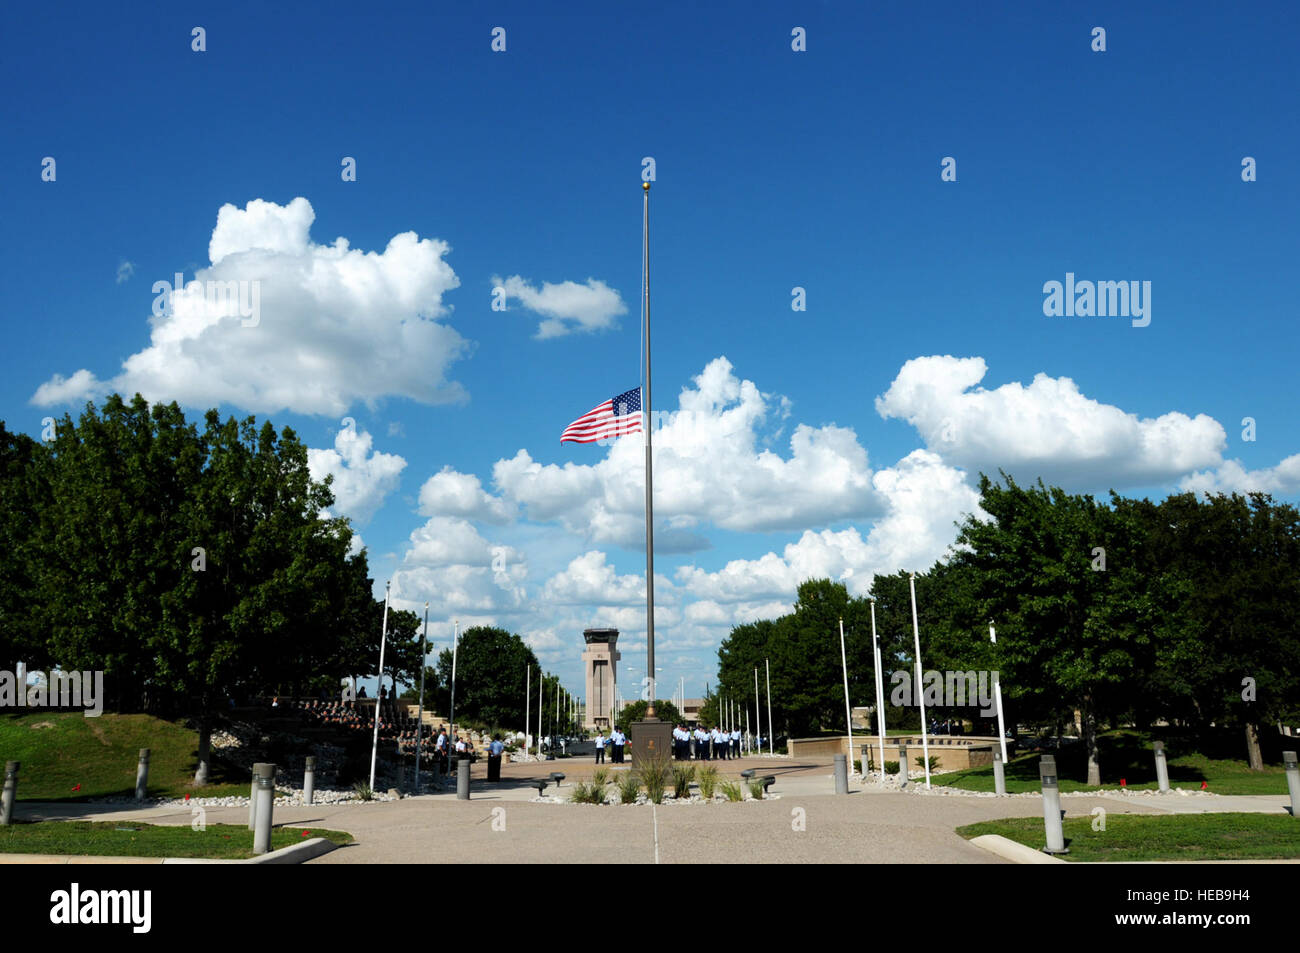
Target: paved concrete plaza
x,y
866,826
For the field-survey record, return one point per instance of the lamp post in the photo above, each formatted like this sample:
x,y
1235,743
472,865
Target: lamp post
x,y
455,646
848,711
771,740
880,692
419,721
997,694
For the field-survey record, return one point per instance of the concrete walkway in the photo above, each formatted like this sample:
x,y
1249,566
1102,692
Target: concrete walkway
x,y
805,823
797,828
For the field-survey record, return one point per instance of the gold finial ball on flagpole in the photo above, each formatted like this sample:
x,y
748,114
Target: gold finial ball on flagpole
x,y
646,186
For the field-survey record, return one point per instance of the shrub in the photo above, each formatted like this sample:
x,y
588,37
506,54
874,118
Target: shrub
x,y
891,767
683,775
654,774
934,762
588,794
600,777
732,791
708,781
857,765
629,786
363,791
756,790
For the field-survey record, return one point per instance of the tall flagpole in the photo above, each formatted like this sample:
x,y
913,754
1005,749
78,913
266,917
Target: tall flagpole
x,y
848,711
880,692
419,721
649,457
925,738
379,691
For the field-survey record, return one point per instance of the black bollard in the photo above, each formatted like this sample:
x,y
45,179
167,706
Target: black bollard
x,y
462,780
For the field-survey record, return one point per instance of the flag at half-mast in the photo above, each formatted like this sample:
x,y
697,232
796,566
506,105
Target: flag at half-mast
x,y
614,418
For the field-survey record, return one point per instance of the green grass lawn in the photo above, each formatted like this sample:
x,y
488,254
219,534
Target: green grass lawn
x,y
1133,837
1128,755
60,750
126,839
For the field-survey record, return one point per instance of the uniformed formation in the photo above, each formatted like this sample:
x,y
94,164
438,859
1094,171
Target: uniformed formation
x,y
701,744
705,744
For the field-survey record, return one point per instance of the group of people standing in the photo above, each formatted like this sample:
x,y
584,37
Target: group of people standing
x,y
616,743
705,744
699,744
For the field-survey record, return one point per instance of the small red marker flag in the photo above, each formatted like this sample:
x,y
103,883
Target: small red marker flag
x,y
1205,785
1123,782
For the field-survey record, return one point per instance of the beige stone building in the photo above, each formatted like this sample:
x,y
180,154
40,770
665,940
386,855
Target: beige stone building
x,y
600,663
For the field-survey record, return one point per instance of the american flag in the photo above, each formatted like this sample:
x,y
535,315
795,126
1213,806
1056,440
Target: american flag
x,y
614,418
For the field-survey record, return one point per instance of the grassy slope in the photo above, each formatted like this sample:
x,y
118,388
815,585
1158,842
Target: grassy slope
x,y
60,750
123,839
1127,754
1136,837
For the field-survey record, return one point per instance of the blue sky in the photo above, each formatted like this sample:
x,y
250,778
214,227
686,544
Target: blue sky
x,y
774,169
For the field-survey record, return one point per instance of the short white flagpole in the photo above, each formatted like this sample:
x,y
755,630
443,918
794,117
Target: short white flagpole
x,y
916,636
880,691
528,703
455,647
419,720
383,641
758,718
848,711
997,694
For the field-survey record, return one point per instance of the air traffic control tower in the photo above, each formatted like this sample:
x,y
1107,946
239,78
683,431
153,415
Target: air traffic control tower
x,y
600,662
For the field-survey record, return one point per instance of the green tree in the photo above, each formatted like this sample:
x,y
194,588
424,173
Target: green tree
x,y
803,651
1060,575
1226,573
491,671
635,711
24,504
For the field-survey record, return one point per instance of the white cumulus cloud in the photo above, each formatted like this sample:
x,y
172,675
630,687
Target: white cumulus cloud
x,y
311,328
566,307
1048,429
362,476
450,493
81,386
1232,477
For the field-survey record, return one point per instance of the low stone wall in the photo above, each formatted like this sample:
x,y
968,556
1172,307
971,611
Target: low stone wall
x,y
955,752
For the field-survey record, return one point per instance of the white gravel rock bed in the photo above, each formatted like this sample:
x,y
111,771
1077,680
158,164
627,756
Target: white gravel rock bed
x,y
642,800
293,800
916,785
